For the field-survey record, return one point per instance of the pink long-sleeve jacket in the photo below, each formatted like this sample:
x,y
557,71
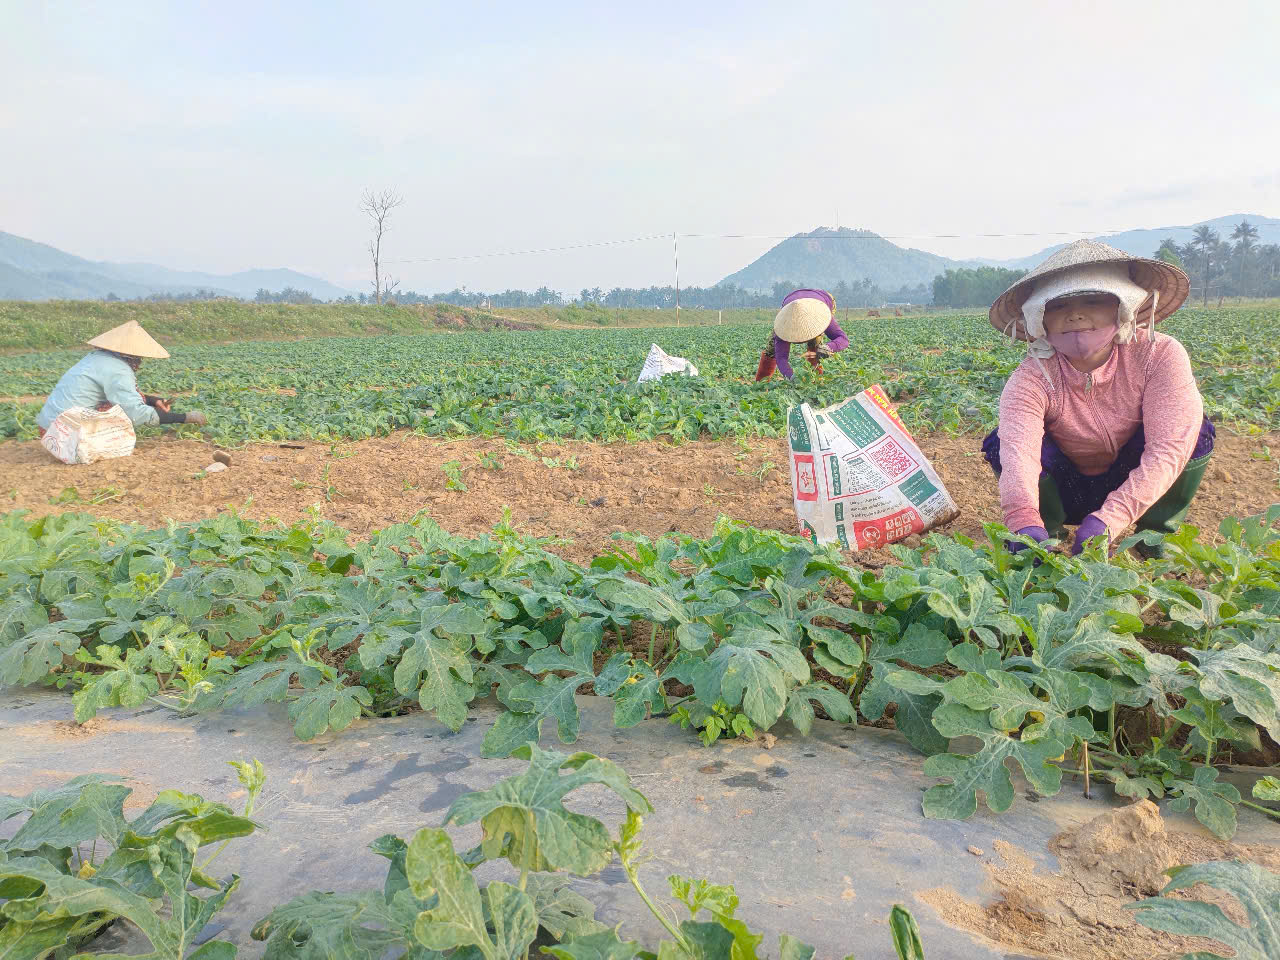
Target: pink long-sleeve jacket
x,y
1145,383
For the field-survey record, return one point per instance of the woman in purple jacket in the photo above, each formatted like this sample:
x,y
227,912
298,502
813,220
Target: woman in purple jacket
x,y
806,317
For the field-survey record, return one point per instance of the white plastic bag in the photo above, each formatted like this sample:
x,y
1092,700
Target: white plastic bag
x,y
857,477
80,435
659,363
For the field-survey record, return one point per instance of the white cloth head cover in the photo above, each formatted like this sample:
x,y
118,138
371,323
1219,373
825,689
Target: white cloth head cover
x,y
1110,278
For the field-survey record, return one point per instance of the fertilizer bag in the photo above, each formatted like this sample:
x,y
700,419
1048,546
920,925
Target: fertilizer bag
x,y
659,363
857,477
80,435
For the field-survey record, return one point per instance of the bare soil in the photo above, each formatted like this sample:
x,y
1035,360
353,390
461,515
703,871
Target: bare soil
x,y
579,491
1080,912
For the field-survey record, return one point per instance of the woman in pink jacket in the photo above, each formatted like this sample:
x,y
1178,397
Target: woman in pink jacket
x,y
1102,425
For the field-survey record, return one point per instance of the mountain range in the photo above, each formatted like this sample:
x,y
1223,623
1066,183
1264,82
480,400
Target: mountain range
x,y
37,271
824,257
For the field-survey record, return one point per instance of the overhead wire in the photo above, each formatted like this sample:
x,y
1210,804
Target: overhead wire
x,y
744,236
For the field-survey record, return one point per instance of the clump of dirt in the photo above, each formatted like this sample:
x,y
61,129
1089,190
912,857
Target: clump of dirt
x,y
70,730
1079,913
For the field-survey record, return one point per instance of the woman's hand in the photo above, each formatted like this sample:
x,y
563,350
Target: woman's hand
x,y
1090,527
162,405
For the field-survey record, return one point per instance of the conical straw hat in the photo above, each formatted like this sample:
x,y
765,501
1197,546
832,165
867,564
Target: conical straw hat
x,y
131,340
1153,275
802,319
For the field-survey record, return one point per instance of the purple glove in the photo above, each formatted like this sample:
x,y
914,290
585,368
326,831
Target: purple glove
x,y
1089,528
1038,534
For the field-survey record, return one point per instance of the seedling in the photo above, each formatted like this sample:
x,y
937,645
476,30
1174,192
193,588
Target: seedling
x,y
720,721
453,475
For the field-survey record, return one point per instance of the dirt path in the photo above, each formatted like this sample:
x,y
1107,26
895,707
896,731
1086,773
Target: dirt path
x,y
581,491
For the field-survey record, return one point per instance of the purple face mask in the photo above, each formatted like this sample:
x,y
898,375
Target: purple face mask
x,y
1081,343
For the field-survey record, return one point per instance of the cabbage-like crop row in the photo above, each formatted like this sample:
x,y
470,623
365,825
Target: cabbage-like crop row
x,y
946,372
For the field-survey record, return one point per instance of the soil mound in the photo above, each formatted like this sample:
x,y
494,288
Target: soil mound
x,y
1104,865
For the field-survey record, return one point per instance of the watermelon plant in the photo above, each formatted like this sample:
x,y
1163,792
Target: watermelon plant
x,y
1255,889
1138,674
75,865
432,904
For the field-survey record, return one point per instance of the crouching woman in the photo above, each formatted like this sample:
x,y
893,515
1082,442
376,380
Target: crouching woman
x,y
108,377
1102,425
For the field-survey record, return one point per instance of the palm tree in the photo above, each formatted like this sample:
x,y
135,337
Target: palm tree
x,y
1269,261
1205,239
1245,235
1169,252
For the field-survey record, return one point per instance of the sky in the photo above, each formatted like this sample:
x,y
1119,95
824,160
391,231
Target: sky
x,y
230,135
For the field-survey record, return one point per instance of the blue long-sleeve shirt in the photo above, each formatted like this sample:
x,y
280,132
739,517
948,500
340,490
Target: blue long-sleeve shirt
x,y
836,341
99,377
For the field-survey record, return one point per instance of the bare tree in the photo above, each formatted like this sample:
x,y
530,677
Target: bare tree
x,y
377,207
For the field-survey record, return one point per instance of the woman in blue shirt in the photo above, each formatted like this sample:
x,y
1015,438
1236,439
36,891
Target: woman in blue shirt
x,y
108,377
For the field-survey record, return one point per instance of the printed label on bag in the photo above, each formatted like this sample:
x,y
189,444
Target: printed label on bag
x,y
806,477
889,529
798,431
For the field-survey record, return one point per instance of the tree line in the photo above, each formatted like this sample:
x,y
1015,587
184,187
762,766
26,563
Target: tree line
x,y
1238,266
973,287
720,297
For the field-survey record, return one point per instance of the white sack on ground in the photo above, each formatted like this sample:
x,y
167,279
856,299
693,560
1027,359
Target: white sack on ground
x,y
80,435
659,363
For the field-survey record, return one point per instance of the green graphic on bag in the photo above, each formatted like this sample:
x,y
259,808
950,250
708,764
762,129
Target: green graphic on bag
x,y
856,424
835,475
801,442
917,488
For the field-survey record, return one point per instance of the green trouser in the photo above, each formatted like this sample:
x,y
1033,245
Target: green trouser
x,y
1163,516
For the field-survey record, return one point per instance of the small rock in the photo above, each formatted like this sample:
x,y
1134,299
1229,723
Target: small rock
x,y
1222,474
270,458
972,412
976,851
223,458
215,468
848,895
597,502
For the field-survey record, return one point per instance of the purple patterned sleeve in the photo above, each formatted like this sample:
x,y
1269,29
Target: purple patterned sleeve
x,y
837,340
781,356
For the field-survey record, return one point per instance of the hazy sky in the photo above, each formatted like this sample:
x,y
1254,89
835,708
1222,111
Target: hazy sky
x,y
226,135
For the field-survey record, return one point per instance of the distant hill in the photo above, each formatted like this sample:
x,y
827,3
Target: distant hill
x,y
1144,243
824,257
37,271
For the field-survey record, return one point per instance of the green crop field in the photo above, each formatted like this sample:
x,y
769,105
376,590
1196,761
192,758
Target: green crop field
x,y
945,371
1148,679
